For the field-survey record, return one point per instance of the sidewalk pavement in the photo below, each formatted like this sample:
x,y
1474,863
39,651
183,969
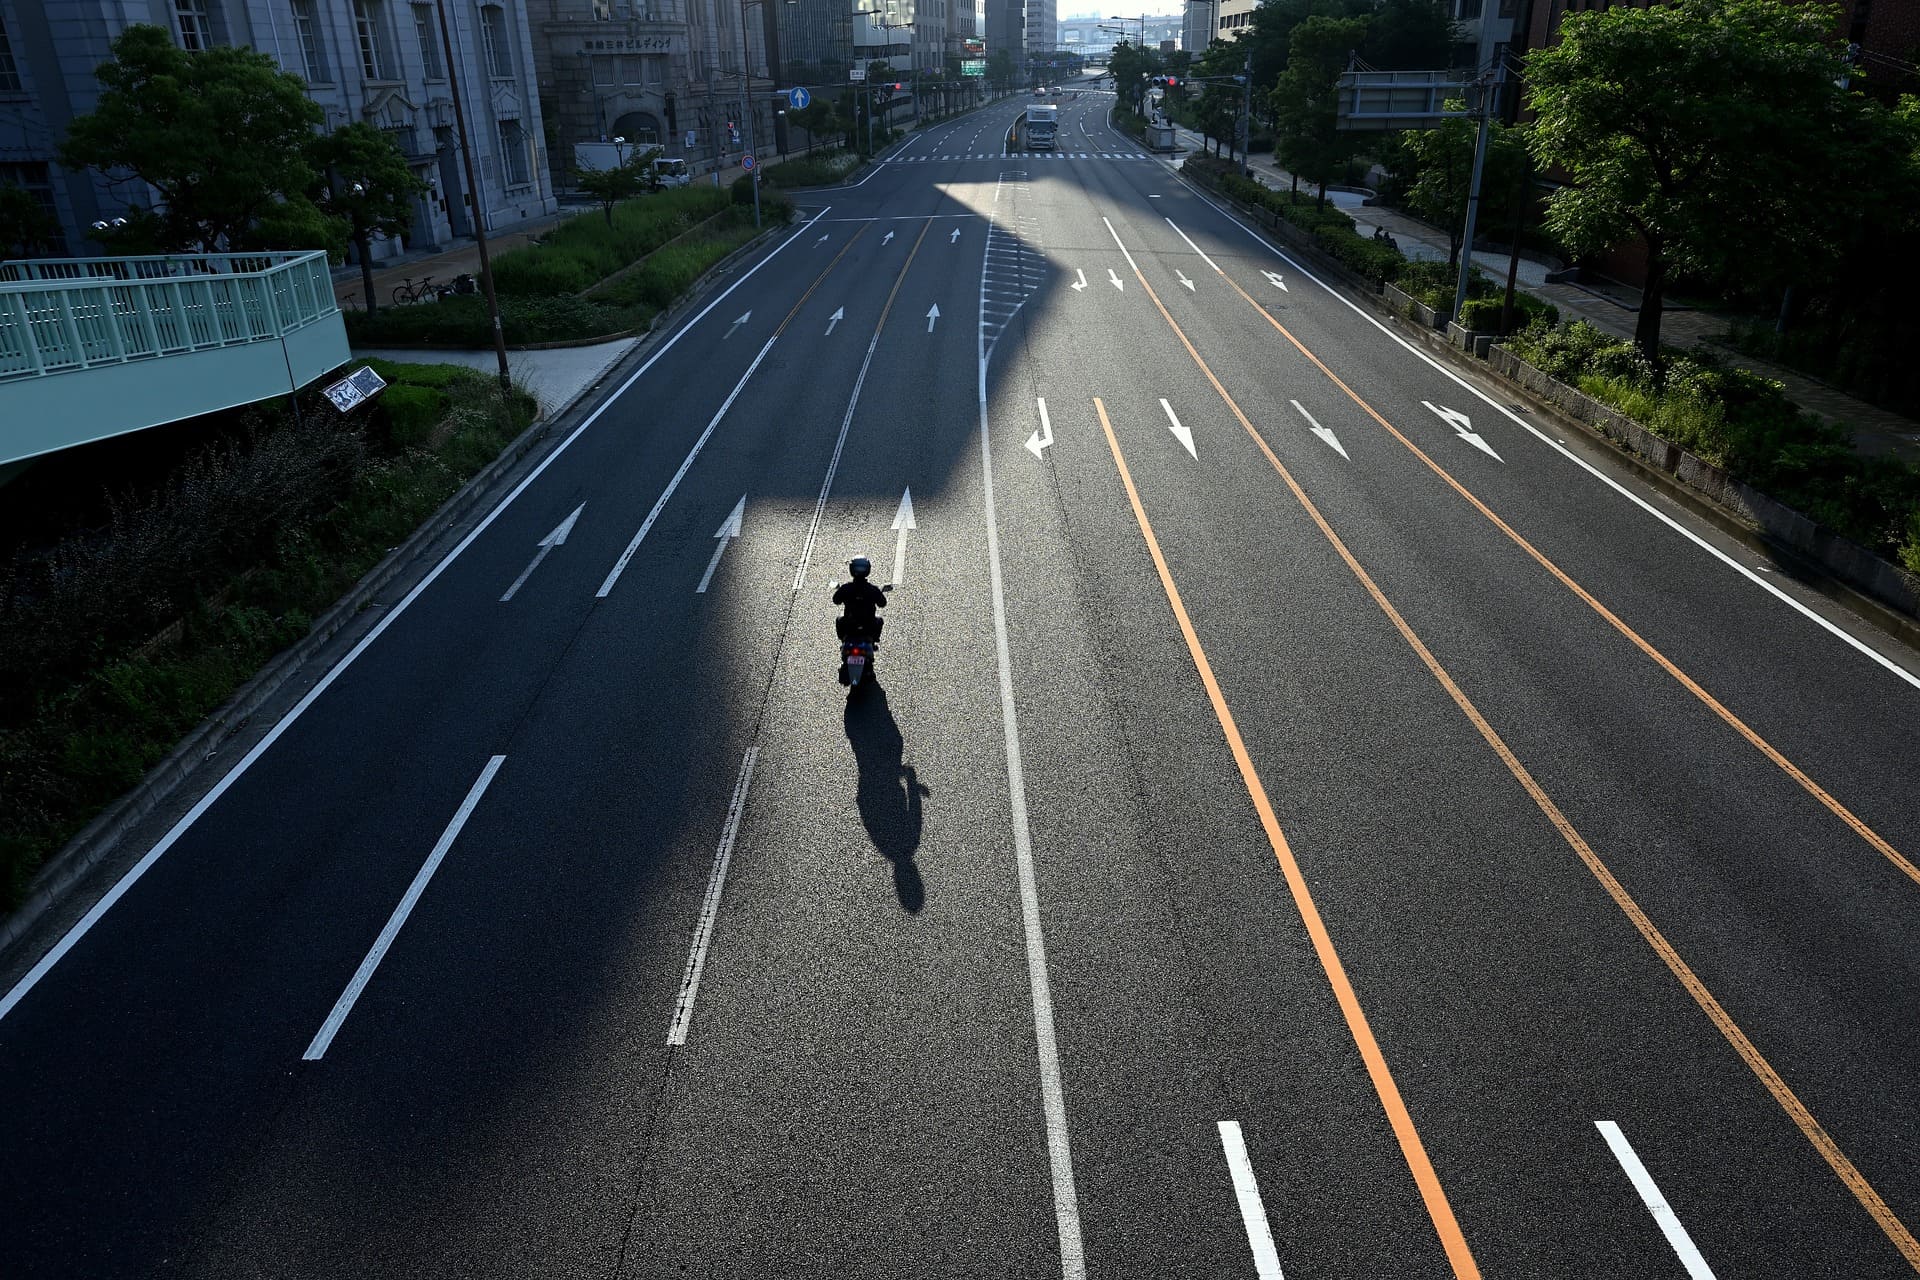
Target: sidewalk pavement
x,y
1614,309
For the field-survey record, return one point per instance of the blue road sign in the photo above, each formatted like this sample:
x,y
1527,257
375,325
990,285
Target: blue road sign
x,y
746,162
798,97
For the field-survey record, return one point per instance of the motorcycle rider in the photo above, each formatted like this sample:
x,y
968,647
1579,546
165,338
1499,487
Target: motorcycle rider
x,y
860,599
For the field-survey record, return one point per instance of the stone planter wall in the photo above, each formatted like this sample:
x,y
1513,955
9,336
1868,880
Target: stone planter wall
x,y
1470,339
1850,563
1405,304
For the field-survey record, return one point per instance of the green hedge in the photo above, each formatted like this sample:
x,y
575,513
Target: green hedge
x,y
1744,423
1331,229
585,250
818,170
1483,315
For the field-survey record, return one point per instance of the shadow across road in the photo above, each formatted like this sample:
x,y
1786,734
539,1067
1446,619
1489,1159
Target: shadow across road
x,y
889,791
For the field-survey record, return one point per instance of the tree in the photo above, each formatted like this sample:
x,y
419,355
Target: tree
x,y
220,136
1001,70
1310,142
1443,169
1704,128
817,117
25,227
367,185
1130,67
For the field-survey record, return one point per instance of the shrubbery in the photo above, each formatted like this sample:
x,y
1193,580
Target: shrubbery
x,y
817,170
1742,422
1332,230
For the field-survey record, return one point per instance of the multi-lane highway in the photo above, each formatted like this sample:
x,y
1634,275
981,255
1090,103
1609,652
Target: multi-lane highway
x,y
1314,818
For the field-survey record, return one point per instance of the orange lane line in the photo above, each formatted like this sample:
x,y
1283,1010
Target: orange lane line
x,y
824,273
1739,726
1411,1148
1837,1160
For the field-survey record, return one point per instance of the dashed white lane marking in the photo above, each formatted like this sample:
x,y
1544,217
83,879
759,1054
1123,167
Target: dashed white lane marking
x,y
1266,1259
344,1005
1676,1234
710,905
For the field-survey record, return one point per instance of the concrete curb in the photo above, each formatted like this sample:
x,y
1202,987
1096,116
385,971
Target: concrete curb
x,y
80,855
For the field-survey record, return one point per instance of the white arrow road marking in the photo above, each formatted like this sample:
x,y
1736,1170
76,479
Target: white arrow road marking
x,y
1044,436
744,317
548,543
839,314
1183,279
817,243
1180,433
1464,425
886,237
1273,277
1115,277
1081,283
902,521
1319,430
933,313
954,237
728,531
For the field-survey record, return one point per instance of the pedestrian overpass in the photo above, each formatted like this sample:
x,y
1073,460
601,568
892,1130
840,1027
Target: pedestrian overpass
x,y
97,347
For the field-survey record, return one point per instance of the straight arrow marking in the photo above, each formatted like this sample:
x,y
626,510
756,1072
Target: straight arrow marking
x,y
954,237
839,314
548,543
1319,430
1180,433
933,313
902,521
1040,439
1115,277
1464,426
1183,279
729,530
886,237
744,317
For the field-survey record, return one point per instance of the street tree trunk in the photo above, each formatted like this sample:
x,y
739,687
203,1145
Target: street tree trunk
x,y
1646,329
364,244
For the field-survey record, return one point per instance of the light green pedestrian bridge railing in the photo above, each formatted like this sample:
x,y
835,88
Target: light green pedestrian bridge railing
x,y
96,347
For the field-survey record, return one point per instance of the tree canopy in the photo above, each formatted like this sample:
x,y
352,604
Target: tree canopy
x,y
25,227
1715,131
1310,143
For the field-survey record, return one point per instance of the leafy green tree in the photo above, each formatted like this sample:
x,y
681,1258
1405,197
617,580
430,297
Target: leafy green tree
x,y
1001,70
1310,143
1130,66
817,117
1705,128
221,136
367,185
1443,170
25,228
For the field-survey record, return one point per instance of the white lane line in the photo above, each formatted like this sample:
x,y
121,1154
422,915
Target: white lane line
x,y
1066,1202
1676,1234
1266,1259
1811,615
1196,248
344,1005
710,905
833,463
193,815
686,465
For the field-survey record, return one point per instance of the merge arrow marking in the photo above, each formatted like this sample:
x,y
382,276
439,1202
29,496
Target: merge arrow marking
x,y
933,313
1081,283
547,544
729,530
1331,439
1273,277
902,521
1040,439
1117,282
1180,433
1464,426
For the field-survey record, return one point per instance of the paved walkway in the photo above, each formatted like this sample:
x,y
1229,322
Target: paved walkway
x,y
1614,308
554,377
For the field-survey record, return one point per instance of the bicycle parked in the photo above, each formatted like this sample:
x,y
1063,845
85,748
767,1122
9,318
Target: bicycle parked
x,y
413,291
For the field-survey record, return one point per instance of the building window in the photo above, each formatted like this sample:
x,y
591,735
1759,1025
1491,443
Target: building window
x,y
37,181
366,27
306,25
196,28
429,41
495,43
9,70
513,154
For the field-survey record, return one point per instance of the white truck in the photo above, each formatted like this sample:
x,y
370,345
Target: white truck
x,y
1041,126
668,171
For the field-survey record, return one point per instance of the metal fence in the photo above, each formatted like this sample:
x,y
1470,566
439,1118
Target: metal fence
x,y
63,314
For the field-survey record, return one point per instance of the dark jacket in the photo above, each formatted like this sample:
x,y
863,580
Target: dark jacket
x,y
860,598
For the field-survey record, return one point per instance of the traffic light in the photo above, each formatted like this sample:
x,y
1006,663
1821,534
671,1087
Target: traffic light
x,y
733,133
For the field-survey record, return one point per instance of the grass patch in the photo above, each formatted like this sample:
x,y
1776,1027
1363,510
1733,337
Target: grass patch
x,y
230,559
1743,423
817,170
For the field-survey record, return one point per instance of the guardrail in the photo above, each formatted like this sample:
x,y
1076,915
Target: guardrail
x,y
67,314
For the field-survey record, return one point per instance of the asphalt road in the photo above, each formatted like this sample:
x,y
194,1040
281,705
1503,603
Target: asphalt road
x,y
1310,819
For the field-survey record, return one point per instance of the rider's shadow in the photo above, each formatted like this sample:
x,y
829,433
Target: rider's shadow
x,y
889,792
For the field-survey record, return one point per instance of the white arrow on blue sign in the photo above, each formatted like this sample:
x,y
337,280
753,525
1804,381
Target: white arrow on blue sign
x,y
798,97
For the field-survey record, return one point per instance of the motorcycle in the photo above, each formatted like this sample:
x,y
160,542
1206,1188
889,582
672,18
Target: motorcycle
x,y
856,659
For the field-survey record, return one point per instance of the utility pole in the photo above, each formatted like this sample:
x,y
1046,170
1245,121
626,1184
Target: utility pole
x,y
473,194
1488,96
1246,117
746,106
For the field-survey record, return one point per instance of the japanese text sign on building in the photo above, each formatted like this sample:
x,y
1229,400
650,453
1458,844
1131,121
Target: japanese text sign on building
x,y
631,44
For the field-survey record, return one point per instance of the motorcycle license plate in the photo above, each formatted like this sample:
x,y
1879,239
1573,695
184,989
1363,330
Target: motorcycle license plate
x,y
856,659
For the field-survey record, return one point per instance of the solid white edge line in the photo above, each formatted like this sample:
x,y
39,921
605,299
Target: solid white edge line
x,y
1266,1259
361,976
1758,581
166,842
1196,248
686,465
710,905
1066,1203
1663,1214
